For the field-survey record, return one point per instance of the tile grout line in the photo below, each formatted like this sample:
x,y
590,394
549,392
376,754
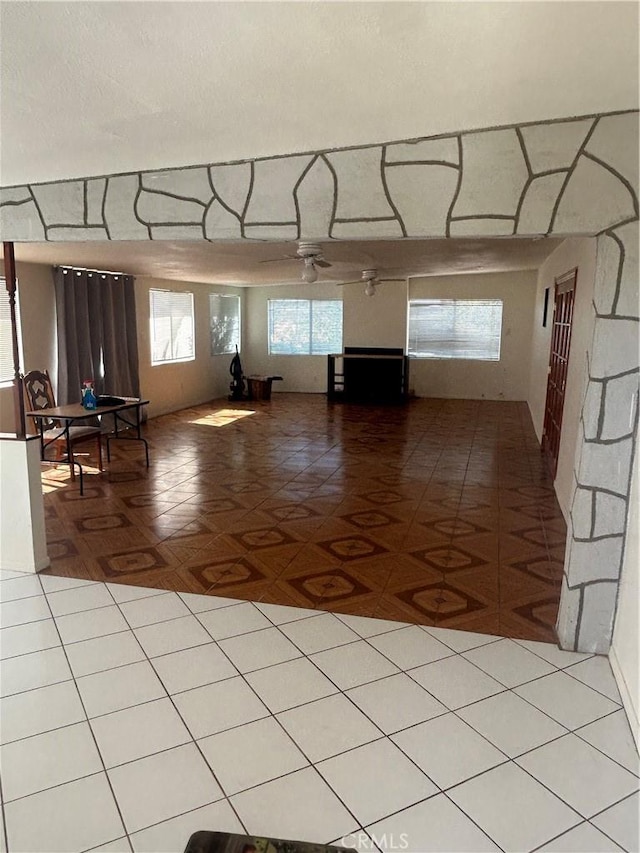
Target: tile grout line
x,y
104,769
340,692
193,739
389,738
508,760
407,671
520,642
276,719
512,690
473,820
79,694
555,794
572,829
586,684
111,841
576,732
497,767
538,677
5,831
617,803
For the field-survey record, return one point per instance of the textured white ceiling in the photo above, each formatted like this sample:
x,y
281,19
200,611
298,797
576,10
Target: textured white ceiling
x,y
93,88
243,263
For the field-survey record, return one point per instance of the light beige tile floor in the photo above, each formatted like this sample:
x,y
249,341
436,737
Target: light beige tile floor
x,y
122,746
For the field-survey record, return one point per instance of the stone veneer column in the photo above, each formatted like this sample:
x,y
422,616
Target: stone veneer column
x,y
604,456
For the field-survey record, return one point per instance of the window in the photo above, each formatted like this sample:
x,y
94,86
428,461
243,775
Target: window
x,y
305,326
455,328
172,336
6,341
224,321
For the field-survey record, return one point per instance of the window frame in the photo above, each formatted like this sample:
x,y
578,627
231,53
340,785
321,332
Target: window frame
x,y
455,354
173,360
310,329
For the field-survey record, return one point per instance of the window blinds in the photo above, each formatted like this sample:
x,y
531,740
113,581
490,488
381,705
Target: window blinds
x,y
326,326
6,344
455,328
305,326
172,336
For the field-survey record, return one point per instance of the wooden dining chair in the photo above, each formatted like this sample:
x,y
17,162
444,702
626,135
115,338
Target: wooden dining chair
x,y
39,391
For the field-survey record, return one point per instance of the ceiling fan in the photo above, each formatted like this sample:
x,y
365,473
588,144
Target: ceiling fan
x,y
310,254
371,280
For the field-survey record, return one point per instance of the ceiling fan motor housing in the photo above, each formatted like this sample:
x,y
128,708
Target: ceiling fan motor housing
x,y
309,250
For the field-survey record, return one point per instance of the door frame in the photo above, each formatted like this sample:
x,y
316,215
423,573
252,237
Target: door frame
x,y
565,283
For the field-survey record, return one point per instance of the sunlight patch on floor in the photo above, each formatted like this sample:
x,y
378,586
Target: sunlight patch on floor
x,y
223,417
56,477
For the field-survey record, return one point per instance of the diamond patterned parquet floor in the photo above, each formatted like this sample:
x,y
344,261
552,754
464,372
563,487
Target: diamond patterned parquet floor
x,y
439,513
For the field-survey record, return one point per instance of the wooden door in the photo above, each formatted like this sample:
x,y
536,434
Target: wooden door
x,y
564,293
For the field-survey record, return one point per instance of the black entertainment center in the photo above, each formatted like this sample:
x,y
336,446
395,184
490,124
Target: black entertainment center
x,y
368,375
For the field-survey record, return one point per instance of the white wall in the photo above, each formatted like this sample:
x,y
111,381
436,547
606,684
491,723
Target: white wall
x,y
375,321
506,379
299,372
381,320
574,253
170,387
625,656
23,543
347,74
37,305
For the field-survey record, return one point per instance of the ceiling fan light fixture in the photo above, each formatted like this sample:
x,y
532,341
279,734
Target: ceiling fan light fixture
x,y
309,273
370,289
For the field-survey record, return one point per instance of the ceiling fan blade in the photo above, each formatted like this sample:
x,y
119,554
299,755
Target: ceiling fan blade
x,y
320,262
384,280
342,283
280,260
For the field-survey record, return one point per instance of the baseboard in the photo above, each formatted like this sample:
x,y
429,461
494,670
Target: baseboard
x,y
627,700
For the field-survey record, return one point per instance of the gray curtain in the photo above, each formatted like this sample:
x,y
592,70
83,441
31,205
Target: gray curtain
x,y
97,339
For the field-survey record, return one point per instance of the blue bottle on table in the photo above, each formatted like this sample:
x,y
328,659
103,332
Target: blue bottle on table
x,y
88,397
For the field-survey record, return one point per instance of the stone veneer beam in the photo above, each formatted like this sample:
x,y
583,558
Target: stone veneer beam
x,y
574,176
